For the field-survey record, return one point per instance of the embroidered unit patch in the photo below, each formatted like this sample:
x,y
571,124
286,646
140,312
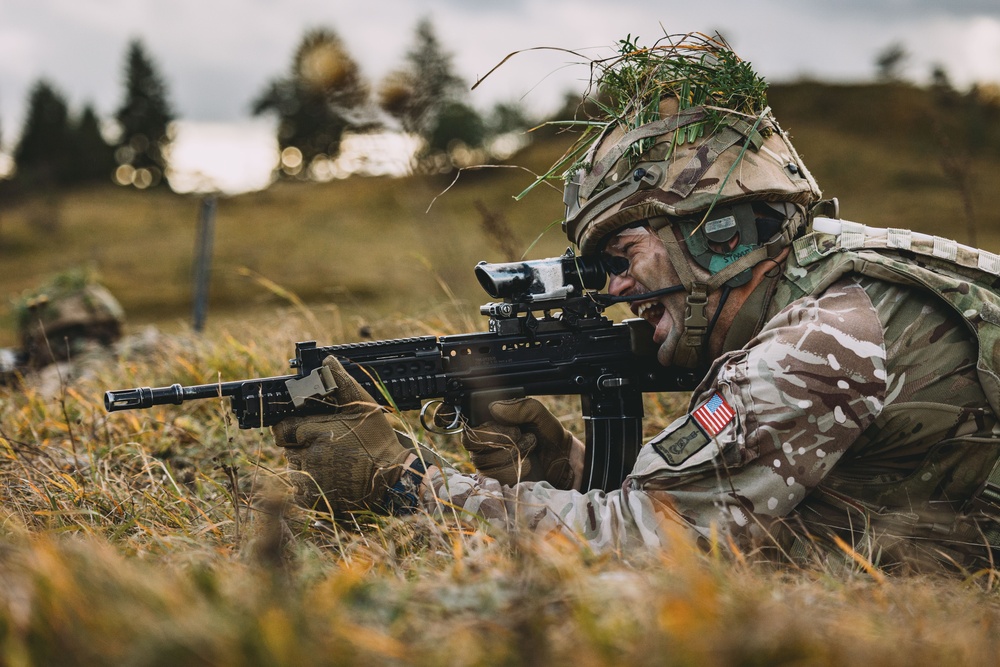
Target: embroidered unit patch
x,y
714,415
681,443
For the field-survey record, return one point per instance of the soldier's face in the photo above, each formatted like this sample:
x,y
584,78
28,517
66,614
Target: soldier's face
x,y
649,269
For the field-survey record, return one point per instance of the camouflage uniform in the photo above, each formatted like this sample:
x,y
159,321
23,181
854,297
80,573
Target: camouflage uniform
x,y
857,392
65,318
64,326
856,409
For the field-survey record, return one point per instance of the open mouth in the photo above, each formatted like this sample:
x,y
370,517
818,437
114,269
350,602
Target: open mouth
x,y
651,311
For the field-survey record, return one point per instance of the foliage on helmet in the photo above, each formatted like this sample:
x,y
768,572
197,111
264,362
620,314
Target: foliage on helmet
x,y
628,88
694,69
72,307
669,125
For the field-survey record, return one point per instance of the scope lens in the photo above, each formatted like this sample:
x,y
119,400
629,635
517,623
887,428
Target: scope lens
x,y
543,278
587,272
614,264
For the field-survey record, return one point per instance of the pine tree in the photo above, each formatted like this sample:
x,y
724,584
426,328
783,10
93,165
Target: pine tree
x,y
456,122
890,62
323,96
427,82
144,117
44,152
93,156
428,97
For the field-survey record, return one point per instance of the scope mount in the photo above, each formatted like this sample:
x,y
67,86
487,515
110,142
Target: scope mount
x,y
527,316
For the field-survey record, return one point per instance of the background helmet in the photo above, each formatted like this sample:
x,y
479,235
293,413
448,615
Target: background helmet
x,y
690,133
64,316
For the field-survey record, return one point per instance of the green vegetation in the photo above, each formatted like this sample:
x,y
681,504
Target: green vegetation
x,y
695,70
143,120
159,537
323,96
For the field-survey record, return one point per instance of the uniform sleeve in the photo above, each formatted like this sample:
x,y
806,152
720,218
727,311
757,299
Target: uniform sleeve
x,y
768,424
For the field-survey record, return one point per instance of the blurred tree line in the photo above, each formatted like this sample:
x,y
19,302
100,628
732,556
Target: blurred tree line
x,y
323,97
58,148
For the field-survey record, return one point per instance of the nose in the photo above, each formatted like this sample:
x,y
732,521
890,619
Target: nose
x,y
619,283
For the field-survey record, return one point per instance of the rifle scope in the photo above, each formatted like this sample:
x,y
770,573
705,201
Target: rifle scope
x,y
542,279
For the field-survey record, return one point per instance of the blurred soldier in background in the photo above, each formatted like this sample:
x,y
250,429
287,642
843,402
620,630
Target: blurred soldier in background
x,y
69,317
850,390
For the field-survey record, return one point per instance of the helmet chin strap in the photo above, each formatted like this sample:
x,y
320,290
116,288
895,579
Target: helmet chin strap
x,y
697,329
608,299
687,360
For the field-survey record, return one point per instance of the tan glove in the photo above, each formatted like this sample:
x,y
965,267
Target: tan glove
x,y
524,442
345,460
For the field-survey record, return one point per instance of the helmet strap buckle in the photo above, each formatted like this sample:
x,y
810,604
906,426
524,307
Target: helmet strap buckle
x,y
695,318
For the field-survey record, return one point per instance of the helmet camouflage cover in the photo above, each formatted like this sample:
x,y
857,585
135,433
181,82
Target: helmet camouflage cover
x,y
57,319
687,130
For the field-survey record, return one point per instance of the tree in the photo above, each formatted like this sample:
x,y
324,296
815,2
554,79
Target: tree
x,y
44,152
890,61
456,122
427,96
56,149
323,96
508,117
93,156
144,117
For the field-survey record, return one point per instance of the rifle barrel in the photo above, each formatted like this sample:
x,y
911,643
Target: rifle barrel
x,y
175,394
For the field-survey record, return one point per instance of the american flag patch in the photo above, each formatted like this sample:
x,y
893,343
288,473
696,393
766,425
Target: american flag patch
x,y
714,415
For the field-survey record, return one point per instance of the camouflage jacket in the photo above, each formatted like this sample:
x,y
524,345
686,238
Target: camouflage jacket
x,y
858,410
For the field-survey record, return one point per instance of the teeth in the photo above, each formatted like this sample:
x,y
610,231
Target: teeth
x,y
643,308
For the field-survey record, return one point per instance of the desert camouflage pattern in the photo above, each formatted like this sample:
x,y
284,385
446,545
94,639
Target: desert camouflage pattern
x,y
860,413
745,158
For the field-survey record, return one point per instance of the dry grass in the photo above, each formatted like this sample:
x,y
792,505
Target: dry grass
x,y
159,537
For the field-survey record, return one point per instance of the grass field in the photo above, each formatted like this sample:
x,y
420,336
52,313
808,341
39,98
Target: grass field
x,y
359,249
160,537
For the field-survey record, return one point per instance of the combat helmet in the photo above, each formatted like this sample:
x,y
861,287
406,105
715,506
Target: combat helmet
x,y
688,141
66,314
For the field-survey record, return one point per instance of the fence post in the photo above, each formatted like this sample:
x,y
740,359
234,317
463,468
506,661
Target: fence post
x,y
203,260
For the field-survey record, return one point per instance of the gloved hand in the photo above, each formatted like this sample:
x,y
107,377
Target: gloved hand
x,y
347,459
524,442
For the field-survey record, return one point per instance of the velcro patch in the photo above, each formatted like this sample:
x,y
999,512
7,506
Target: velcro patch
x,y
714,415
681,443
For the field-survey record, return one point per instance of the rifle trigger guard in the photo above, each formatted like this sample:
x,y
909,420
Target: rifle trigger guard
x,y
454,427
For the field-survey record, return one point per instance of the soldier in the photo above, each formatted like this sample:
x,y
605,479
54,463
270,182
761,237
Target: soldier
x,y
851,384
63,320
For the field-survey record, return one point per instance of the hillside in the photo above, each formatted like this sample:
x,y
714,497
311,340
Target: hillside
x,y
365,248
161,536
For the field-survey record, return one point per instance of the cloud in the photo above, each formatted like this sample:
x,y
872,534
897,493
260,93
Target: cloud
x,y
216,56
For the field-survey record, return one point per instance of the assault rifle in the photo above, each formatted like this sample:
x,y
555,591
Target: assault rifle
x,y
547,336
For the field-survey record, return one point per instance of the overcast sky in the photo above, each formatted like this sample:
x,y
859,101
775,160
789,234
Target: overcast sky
x,y
216,55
